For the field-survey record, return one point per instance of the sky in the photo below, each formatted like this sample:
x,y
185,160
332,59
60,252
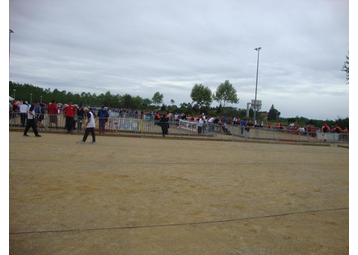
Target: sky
x,y
141,47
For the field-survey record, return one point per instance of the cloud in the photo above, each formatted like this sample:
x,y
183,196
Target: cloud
x,y
140,47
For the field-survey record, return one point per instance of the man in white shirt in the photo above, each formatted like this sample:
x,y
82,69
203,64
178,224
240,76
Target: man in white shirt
x,y
31,120
90,125
23,111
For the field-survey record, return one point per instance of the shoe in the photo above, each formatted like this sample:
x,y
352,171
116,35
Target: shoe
x,y
38,135
80,141
25,135
93,142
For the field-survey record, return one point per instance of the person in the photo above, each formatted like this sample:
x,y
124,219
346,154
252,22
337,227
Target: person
x,y
31,121
80,115
90,125
41,116
200,125
242,124
164,124
53,111
337,129
309,129
325,130
249,125
37,112
103,118
23,112
69,111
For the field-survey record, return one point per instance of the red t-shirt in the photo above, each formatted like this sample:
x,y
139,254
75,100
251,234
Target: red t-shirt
x,y
70,110
53,108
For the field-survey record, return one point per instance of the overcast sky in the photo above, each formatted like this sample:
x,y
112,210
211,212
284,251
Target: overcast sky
x,y
140,47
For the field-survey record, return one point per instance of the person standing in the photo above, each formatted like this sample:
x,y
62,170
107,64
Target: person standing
x,y
80,116
69,111
53,112
23,112
90,125
249,125
103,118
41,116
200,125
242,125
31,116
164,124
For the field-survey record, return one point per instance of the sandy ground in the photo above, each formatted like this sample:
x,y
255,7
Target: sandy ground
x,y
164,196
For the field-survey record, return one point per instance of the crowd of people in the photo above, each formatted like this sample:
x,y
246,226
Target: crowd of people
x,y
75,115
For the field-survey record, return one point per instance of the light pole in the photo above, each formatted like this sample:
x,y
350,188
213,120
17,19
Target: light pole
x,y
10,32
30,98
257,77
41,99
14,93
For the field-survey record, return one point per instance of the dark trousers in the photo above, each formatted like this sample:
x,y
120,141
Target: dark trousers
x,y
23,118
102,125
89,130
200,130
69,123
31,123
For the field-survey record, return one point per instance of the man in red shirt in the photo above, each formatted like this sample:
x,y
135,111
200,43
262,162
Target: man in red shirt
x,y
53,111
70,112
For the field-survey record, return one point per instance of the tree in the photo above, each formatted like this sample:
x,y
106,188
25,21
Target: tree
x,y
273,114
146,102
201,95
136,102
172,101
127,101
226,93
345,67
157,98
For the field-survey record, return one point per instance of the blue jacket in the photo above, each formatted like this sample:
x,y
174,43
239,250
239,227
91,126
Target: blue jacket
x,y
103,113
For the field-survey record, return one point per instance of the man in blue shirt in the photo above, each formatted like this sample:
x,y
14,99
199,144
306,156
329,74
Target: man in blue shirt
x,y
243,124
37,113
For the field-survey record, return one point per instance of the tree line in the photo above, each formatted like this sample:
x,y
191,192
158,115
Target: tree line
x,y
201,96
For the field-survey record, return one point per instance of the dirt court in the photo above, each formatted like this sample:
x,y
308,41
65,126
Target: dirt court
x,y
170,196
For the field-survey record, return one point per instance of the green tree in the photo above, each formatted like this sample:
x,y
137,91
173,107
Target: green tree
x,y
345,67
146,103
172,101
201,95
136,102
127,101
226,93
273,114
157,98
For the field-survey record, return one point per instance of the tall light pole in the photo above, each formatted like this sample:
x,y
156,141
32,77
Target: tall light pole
x,y
30,98
257,77
10,32
14,93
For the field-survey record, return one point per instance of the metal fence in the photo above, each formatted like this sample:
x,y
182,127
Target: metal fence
x,y
149,126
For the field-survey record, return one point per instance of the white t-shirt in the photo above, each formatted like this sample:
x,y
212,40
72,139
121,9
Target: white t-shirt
x,y
91,123
24,108
29,116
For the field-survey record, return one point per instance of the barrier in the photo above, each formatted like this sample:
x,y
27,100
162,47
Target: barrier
x,y
116,124
179,128
188,125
